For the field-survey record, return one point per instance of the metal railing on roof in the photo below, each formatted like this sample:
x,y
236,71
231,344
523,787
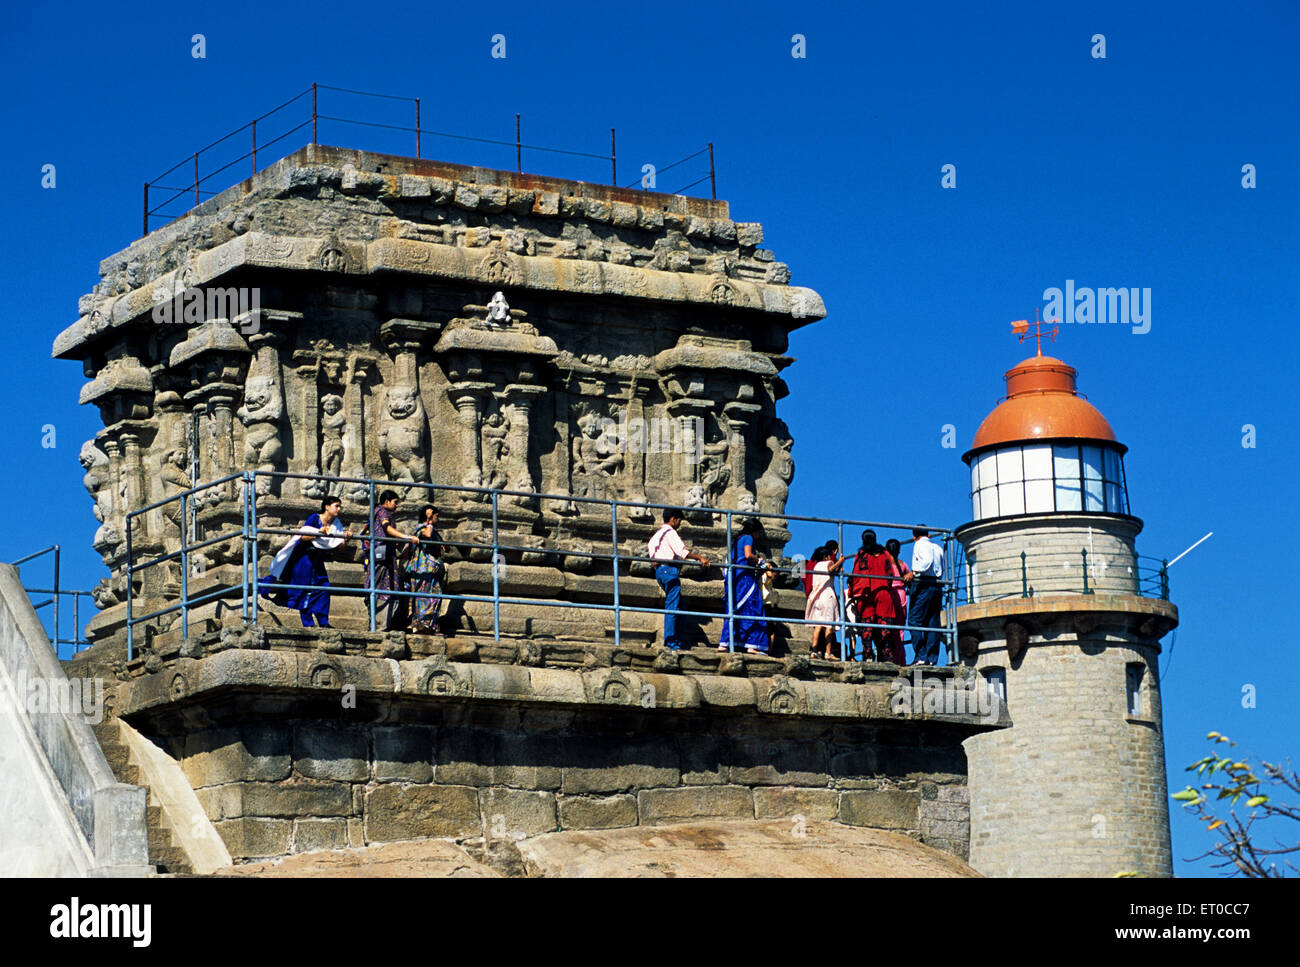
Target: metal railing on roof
x,y
295,109
250,534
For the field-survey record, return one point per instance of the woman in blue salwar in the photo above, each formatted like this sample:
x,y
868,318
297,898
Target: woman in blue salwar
x,y
300,564
751,628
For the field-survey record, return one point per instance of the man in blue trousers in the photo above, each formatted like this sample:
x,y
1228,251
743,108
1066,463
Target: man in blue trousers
x,y
925,601
667,551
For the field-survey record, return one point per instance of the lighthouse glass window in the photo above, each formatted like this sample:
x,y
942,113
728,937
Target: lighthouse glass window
x,y
1038,480
1047,478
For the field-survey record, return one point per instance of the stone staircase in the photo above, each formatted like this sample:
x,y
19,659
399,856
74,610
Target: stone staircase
x,y
164,854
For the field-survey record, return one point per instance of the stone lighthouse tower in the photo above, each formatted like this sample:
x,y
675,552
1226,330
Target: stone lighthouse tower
x,y
1064,622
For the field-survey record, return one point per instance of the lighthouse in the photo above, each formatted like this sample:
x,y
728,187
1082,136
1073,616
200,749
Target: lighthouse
x,y
1063,620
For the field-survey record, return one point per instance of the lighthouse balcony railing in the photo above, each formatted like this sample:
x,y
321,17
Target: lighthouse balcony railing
x,y
184,509
1034,573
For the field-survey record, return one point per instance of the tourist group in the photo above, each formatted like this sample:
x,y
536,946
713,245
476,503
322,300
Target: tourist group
x,y
881,592
402,563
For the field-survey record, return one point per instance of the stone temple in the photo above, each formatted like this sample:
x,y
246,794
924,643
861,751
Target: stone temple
x,y
554,359
426,323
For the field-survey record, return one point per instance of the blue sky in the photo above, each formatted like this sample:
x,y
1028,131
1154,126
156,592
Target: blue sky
x,y
1123,171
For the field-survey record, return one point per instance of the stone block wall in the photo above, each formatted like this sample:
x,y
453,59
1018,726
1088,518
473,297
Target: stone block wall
x,y
279,787
1076,787
1053,563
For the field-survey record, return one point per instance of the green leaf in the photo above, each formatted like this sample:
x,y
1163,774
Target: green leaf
x,y
1187,795
1257,800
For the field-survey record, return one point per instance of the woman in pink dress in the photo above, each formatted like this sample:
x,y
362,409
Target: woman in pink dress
x,y
822,606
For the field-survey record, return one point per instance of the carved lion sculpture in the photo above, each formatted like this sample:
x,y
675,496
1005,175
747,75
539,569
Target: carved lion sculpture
x,y
774,485
98,483
260,414
401,435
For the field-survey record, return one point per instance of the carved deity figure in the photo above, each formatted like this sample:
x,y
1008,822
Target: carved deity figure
x,y
774,485
98,483
495,452
333,424
402,435
715,470
175,478
597,456
260,414
498,311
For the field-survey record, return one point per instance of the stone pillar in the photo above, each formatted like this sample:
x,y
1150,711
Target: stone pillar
x,y
635,446
355,463
689,413
215,363
307,441
563,456
132,469
518,406
468,400
740,418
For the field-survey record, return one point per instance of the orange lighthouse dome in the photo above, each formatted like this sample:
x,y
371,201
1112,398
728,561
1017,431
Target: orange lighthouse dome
x,y
1042,403
1045,449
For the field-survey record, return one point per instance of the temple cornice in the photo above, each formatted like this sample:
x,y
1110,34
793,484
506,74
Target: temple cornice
x,y
489,267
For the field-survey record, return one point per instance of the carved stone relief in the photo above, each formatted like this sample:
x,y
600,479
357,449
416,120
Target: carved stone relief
x,y
597,451
98,482
263,407
773,486
402,435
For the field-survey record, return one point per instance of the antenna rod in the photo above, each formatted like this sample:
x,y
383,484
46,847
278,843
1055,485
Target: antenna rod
x,y
1189,550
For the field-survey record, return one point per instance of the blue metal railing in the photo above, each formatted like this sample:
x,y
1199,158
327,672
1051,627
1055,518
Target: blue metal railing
x,y
57,595
250,533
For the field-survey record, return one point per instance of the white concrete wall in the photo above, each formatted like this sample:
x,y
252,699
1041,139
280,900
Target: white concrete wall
x,y
39,835
62,811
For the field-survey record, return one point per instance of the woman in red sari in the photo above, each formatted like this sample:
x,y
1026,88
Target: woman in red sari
x,y
898,593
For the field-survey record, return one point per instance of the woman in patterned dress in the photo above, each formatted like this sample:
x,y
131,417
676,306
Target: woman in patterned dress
x,y
387,575
425,570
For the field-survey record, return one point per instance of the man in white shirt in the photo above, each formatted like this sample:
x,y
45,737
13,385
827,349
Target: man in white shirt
x,y
666,549
925,601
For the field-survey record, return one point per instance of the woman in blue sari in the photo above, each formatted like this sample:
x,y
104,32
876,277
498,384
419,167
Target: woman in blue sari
x,y
746,595
301,564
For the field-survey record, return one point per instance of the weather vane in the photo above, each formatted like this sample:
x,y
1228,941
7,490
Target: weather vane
x,y
1021,328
